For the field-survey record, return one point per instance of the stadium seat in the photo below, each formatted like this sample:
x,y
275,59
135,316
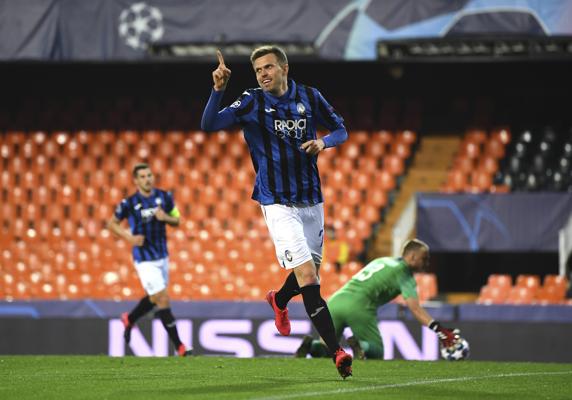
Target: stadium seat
x,y
501,281
394,164
492,295
470,149
457,180
531,282
556,280
520,295
549,295
375,149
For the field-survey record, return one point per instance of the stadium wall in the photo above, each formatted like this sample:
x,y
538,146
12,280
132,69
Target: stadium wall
x,y
496,333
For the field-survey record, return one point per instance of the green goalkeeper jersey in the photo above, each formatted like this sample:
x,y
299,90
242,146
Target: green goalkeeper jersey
x,y
381,281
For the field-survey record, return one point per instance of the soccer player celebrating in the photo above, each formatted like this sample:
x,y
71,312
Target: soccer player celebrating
x,y
356,303
279,120
148,211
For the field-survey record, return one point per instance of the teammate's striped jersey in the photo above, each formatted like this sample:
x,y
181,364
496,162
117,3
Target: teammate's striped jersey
x,y
274,129
381,281
140,213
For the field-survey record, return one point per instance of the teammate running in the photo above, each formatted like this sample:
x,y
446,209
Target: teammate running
x,y
148,211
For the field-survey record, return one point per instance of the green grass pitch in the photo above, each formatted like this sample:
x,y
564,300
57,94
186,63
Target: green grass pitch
x,y
101,377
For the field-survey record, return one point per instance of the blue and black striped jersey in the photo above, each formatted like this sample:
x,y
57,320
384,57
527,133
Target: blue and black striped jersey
x,y
274,129
140,213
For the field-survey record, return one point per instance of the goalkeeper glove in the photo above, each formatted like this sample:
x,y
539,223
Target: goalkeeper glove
x,y
446,336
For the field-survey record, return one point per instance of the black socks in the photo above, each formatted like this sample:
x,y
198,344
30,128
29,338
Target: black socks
x,y
288,290
319,313
170,325
142,308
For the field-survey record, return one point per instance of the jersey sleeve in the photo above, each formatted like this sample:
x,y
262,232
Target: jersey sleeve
x,y
408,286
121,210
242,107
237,113
169,202
326,114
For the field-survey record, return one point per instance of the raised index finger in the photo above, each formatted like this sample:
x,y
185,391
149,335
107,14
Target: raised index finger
x,y
220,58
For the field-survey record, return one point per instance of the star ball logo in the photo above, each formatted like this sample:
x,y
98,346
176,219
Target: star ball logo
x,y
141,24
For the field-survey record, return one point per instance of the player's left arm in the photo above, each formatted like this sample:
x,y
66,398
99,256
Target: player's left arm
x,y
328,117
170,215
445,335
172,218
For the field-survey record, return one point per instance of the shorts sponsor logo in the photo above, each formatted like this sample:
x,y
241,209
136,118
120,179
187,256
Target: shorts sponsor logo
x,y
288,255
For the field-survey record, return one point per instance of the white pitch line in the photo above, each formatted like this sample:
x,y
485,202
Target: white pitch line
x,y
413,383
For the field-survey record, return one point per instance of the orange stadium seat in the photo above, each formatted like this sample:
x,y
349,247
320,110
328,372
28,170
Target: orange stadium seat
x,y
520,295
550,295
470,149
384,180
492,295
457,180
394,164
495,148
382,136
502,281
375,149
367,163
376,197
360,180
531,282
481,181
406,136
401,149
559,281
478,136
503,134
465,164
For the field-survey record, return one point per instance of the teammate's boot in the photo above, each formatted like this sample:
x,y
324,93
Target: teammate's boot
x,y
304,348
356,348
280,316
128,326
343,363
183,352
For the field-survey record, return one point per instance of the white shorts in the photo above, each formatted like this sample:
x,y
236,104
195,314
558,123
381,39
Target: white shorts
x,y
297,233
154,275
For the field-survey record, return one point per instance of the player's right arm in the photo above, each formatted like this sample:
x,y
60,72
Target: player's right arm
x,y
212,118
114,226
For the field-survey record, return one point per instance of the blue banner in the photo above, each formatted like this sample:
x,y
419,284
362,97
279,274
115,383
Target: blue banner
x,y
105,30
515,222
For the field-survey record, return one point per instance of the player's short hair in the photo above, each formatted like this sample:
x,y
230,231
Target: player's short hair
x,y
269,49
139,167
414,245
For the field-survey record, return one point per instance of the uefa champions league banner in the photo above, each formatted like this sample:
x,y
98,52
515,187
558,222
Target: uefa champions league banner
x,y
106,30
515,222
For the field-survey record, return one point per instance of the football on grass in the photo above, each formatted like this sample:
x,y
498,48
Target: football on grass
x,y
459,351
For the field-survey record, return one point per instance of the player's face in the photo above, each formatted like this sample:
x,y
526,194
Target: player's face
x,y
421,259
144,180
271,76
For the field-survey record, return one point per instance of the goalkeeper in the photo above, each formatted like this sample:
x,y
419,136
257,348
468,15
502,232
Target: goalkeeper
x,y
356,303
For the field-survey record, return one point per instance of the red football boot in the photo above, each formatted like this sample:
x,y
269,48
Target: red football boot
x,y
280,316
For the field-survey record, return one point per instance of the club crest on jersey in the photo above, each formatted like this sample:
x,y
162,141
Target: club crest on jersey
x,y
236,104
301,109
147,214
294,128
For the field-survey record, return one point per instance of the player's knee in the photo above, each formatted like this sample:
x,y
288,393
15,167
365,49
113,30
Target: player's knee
x,y
306,275
161,299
